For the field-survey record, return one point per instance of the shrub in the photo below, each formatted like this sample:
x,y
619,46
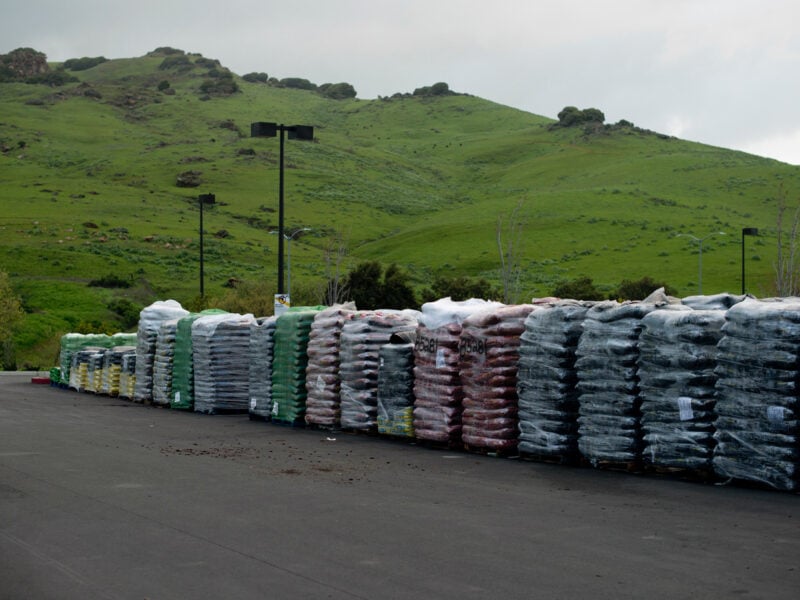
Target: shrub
x,y
571,116
84,64
640,289
110,281
582,288
337,91
179,62
163,85
297,83
256,77
371,289
437,89
127,311
459,288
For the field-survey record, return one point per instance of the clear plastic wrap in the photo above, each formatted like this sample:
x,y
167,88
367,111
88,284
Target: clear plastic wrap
x,y
677,356
163,361
112,368
758,369
262,344
360,343
289,362
150,319
396,386
323,383
221,347
488,364
438,392
608,384
548,398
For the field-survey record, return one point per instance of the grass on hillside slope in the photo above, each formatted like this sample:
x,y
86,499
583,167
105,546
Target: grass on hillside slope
x,y
89,188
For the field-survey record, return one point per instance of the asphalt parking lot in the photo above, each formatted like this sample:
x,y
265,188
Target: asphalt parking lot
x,y
103,498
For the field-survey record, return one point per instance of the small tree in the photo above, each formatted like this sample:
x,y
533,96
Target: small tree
x,y
787,263
371,289
336,290
11,314
509,239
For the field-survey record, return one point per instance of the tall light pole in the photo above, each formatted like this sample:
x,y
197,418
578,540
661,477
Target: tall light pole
x,y
289,239
746,231
296,132
203,199
700,255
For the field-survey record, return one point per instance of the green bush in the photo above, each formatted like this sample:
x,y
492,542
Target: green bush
x,y
84,64
256,77
640,289
110,281
571,116
337,91
459,288
297,83
370,288
582,288
179,62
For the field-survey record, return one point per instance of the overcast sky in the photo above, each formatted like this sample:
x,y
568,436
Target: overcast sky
x,y
722,72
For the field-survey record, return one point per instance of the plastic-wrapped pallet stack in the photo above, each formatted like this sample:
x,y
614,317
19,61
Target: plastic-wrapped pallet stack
x,y
289,362
758,369
127,375
182,396
150,319
546,382
112,368
79,371
221,345
438,392
361,340
396,385
262,332
94,382
609,426
322,373
677,356
489,360
74,342
163,361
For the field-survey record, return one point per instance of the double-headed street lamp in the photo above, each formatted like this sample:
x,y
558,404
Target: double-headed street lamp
x,y
296,132
746,231
700,255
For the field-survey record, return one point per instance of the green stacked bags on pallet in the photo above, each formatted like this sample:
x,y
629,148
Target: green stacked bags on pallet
x,y
75,342
182,397
292,330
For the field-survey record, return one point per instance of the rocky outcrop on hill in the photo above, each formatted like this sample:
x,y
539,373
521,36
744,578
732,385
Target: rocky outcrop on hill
x,y
23,63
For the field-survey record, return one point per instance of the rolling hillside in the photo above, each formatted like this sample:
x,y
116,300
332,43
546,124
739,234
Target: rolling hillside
x,y
88,174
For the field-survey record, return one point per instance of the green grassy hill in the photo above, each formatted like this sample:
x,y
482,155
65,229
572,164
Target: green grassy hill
x,y
88,177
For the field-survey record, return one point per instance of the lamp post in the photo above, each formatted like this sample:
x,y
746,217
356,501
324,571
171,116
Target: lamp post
x,y
700,255
203,199
296,132
746,231
289,239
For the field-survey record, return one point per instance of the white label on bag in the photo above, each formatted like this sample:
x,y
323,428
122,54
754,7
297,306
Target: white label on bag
x,y
440,363
685,408
177,397
776,414
275,409
320,384
252,403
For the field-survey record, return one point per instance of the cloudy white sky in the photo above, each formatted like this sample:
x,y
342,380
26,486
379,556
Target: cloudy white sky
x,y
722,72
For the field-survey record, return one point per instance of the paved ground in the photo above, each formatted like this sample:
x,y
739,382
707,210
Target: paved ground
x,y
101,498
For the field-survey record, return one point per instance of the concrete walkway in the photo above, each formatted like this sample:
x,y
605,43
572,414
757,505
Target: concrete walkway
x,y
102,498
